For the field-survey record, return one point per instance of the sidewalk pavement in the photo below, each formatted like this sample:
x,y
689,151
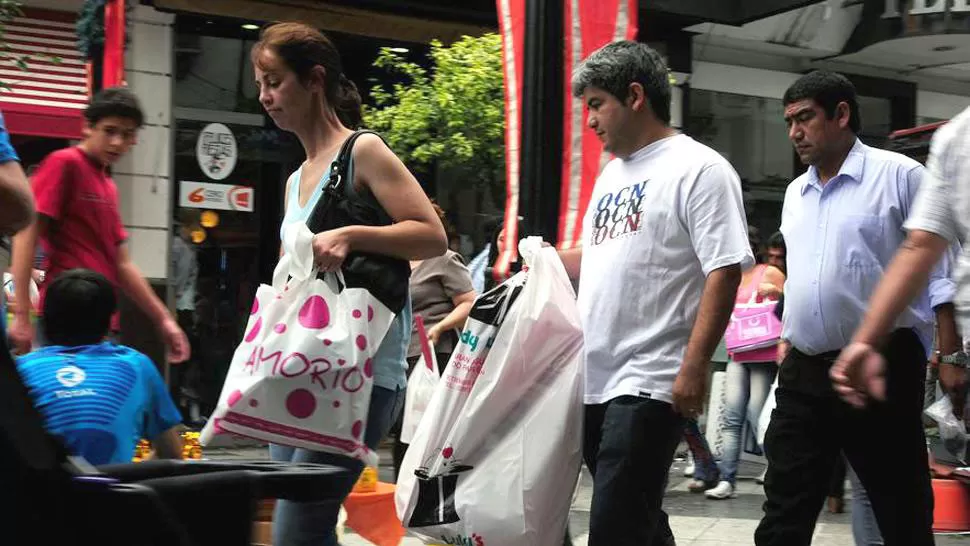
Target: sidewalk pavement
x,y
695,520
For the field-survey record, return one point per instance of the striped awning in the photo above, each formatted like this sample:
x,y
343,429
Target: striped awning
x,y
46,99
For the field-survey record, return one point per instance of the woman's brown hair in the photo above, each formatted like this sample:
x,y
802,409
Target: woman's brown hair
x,y
302,47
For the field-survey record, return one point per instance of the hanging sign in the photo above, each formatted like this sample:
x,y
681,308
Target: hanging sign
x,y
216,151
205,195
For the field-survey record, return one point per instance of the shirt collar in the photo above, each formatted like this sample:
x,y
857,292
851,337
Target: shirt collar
x,y
852,168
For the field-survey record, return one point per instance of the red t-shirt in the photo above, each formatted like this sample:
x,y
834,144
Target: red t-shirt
x,y
76,193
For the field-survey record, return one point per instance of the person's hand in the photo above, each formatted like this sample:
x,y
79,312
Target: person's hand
x,y
859,374
21,334
784,348
434,334
953,380
768,290
177,348
688,394
330,249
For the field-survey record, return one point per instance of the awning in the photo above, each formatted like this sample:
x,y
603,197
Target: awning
x,y
331,17
49,97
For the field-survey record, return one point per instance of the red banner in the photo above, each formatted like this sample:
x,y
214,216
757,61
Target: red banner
x,y
511,22
114,44
590,24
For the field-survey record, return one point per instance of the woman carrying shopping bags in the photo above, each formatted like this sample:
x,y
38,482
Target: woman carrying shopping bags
x,y
749,374
304,90
441,294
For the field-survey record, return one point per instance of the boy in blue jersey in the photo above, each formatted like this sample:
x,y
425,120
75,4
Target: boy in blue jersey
x,y
101,398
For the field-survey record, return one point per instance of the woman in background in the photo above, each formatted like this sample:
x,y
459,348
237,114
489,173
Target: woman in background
x,y
442,295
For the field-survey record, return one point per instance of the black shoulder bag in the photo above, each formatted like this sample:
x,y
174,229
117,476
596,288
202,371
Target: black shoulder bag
x,y
383,276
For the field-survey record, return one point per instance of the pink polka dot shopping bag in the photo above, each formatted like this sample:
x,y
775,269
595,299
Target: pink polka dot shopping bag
x,y
303,373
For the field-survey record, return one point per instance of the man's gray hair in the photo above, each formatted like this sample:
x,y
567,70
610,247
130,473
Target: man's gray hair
x,y
615,66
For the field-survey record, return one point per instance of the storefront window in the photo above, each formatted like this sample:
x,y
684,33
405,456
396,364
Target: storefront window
x,y
750,132
226,242
876,115
215,73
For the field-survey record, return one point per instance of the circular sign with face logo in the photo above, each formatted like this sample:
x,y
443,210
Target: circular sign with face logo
x,y
216,151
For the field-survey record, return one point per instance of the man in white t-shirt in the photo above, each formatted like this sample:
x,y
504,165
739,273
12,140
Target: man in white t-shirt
x,y
664,243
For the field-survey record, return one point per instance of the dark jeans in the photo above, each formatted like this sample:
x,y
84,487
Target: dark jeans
x,y
884,443
313,523
629,446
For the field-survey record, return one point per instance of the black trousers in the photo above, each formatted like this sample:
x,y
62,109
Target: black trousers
x,y
884,443
629,445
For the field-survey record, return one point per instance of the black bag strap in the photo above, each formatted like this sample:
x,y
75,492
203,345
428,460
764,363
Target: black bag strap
x,y
333,190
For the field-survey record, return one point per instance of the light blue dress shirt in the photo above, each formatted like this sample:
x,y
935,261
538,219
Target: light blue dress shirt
x,y
840,239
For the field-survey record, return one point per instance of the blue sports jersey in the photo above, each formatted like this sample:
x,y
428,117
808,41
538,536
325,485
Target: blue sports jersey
x,y
101,399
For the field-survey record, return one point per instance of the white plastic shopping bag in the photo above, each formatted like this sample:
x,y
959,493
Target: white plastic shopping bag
x,y
424,378
302,375
495,459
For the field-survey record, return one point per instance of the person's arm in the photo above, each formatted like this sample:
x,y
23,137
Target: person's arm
x,y
572,259
713,212
456,318
416,234
50,186
16,199
859,372
23,253
773,284
163,422
168,445
713,314
134,285
456,282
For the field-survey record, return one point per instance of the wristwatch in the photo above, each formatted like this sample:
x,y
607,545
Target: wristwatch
x,y
959,359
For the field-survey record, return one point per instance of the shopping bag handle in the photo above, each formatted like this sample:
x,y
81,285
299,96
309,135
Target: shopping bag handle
x,y
297,264
426,349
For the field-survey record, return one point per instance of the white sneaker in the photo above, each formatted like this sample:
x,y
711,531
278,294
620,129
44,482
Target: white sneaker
x,y
724,490
689,469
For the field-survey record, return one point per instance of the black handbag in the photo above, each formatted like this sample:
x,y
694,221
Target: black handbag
x,y
386,277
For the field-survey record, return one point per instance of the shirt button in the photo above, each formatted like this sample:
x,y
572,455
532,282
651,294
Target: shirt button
x,y
816,313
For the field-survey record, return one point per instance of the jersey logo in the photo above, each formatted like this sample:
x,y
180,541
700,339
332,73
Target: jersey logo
x,y
71,376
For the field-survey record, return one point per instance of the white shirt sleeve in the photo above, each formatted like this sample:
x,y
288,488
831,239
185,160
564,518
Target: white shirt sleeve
x,y
714,214
933,208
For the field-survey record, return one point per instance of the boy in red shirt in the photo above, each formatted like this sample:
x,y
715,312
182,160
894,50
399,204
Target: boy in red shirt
x,y
79,223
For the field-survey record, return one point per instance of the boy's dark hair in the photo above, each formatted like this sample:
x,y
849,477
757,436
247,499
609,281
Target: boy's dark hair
x,y
118,102
777,240
78,308
827,89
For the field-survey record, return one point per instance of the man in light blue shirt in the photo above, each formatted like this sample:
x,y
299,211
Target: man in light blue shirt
x,y
843,222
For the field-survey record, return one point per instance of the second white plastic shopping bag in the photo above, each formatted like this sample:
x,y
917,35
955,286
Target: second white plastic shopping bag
x,y
495,458
421,384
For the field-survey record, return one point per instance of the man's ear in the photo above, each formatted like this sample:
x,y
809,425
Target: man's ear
x,y
636,97
87,129
843,113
